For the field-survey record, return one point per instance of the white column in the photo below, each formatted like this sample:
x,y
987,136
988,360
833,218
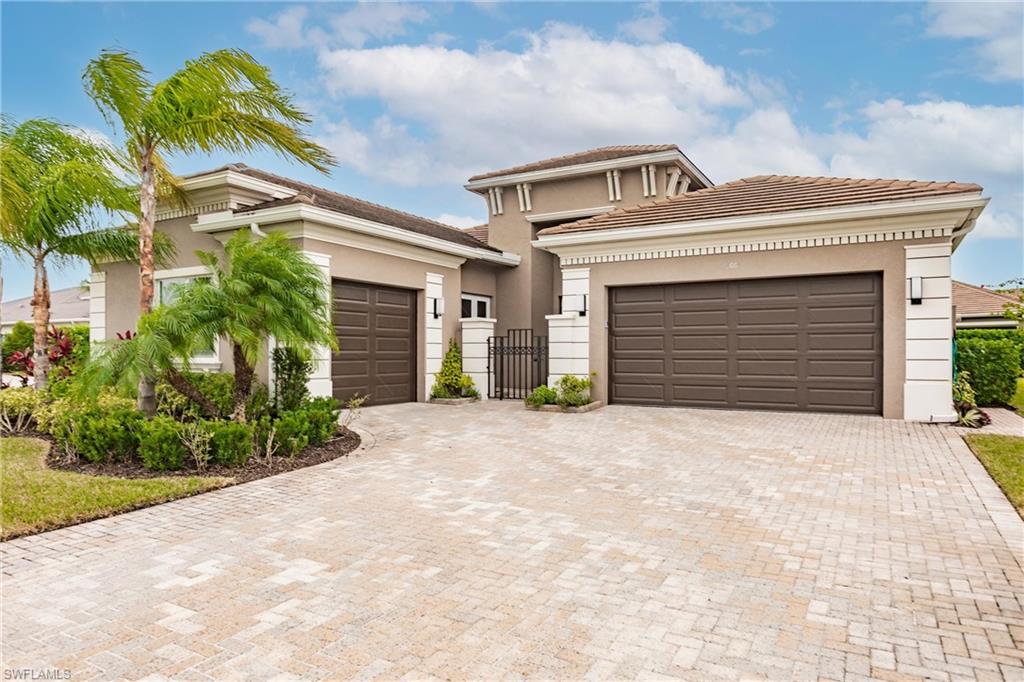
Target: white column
x,y
927,393
435,332
569,331
98,306
475,333
320,383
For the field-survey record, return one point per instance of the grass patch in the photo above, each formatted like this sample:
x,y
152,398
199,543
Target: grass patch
x,y
1018,397
1003,457
34,498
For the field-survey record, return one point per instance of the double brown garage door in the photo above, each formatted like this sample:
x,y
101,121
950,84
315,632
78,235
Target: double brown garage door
x,y
376,330
800,343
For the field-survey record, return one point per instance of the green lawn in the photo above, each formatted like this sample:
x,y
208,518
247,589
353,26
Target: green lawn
x,y
1003,456
1018,398
34,498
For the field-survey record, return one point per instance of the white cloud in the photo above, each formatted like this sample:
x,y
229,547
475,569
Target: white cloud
x,y
998,27
353,28
565,91
1002,225
748,18
460,221
647,26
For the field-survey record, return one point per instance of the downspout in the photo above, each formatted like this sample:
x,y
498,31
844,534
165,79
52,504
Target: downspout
x,y
255,227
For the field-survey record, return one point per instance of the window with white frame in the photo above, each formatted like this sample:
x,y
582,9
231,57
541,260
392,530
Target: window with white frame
x,y
166,293
476,306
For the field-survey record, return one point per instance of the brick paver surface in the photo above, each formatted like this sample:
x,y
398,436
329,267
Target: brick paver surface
x,y
489,542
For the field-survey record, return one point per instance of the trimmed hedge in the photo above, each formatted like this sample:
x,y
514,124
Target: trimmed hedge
x,y
994,365
1015,336
160,444
219,387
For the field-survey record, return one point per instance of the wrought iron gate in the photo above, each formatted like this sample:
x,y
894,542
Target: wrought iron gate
x,y
517,363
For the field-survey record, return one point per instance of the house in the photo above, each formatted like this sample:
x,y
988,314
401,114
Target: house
x,y
67,306
980,308
771,292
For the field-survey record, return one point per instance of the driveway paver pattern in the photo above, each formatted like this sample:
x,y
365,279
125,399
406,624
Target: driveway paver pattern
x,y
491,542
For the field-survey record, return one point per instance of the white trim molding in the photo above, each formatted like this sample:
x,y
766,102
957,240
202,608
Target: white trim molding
x,y
672,156
98,306
233,178
476,331
927,391
569,331
315,214
434,291
320,382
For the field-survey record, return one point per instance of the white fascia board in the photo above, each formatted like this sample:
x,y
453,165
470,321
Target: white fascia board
x,y
240,180
592,167
971,202
572,213
316,214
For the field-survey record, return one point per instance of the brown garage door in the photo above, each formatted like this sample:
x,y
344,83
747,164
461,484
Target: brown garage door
x,y
376,330
799,343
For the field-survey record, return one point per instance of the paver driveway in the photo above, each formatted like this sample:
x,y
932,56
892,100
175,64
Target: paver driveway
x,y
486,541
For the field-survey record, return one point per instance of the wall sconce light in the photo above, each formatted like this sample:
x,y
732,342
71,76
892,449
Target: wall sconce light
x,y
438,307
916,290
583,311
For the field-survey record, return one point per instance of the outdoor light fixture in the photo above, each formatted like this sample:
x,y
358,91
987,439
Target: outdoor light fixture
x,y
583,311
438,307
916,291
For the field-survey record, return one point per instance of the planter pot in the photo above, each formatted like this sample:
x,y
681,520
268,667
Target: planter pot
x,y
589,407
454,401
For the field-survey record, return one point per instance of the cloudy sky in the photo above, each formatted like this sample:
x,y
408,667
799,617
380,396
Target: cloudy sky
x,y
414,98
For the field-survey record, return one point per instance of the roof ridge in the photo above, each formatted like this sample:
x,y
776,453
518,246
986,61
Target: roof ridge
x,y
986,290
629,149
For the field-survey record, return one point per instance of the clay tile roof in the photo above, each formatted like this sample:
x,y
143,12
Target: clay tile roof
x,y
589,156
342,203
764,194
479,232
66,305
974,301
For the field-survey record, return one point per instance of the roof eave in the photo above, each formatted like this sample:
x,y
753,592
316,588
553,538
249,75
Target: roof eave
x,y
973,202
299,211
591,167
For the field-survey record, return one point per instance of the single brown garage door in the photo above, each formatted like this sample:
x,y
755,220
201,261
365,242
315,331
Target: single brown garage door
x,y
799,343
376,330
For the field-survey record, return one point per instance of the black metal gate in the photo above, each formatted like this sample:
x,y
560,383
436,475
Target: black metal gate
x,y
517,363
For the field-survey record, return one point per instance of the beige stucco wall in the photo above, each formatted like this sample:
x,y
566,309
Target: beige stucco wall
x,y
885,257
481,279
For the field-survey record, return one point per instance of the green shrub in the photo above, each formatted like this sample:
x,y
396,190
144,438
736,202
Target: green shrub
x,y
321,419
291,433
993,364
160,445
17,407
450,382
542,395
291,375
219,387
230,443
1015,336
19,338
100,435
573,391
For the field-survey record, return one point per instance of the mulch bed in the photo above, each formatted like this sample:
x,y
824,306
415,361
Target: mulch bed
x,y
344,442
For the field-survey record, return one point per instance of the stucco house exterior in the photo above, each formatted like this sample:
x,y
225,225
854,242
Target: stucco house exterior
x,y
772,292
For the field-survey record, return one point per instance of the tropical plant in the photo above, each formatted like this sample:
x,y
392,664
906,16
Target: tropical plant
x,y
542,395
61,181
18,339
291,376
574,391
223,100
260,288
450,382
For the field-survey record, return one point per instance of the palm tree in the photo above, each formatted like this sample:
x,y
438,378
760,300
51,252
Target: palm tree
x,y
261,288
60,182
222,100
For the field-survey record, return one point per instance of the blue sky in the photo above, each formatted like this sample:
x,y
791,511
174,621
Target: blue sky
x,y
414,98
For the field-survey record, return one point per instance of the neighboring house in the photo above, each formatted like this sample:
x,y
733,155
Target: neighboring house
x,y
67,306
788,293
980,308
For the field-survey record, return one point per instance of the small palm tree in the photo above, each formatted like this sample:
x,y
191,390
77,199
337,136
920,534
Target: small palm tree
x,y
261,288
222,100
56,183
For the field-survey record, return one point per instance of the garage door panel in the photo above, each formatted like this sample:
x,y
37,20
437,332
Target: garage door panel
x,y
376,331
802,343
641,320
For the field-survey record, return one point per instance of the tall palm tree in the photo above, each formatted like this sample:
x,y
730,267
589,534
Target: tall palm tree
x,y
222,100
60,182
261,288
